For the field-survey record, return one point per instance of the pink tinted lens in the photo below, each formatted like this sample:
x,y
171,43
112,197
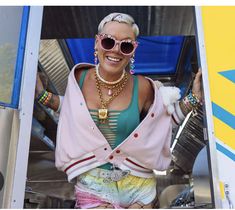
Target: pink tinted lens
x,y
127,47
107,43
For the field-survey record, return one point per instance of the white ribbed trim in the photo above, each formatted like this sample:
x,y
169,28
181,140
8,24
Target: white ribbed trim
x,y
176,118
61,98
79,170
179,112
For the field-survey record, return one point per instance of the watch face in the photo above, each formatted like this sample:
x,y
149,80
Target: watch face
x,y
1,181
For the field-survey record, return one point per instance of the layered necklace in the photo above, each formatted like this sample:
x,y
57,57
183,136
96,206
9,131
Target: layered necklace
x,y
107,84
114,89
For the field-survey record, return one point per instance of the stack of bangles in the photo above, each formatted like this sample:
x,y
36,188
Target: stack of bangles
x,y
44,97
189,103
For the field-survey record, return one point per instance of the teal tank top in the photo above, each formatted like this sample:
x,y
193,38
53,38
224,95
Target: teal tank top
x,y
121,123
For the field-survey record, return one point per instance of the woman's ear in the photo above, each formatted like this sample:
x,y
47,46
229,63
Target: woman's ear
x,y
96,42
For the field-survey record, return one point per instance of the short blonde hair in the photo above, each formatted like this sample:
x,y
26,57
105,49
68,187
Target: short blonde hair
x,y
121,18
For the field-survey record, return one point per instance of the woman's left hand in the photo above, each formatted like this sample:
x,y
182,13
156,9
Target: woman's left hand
x,y
197,85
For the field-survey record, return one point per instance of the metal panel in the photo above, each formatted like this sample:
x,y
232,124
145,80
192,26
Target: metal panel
x,y
11,160
201,180
60,22
190,142
54,64
11,53
6,116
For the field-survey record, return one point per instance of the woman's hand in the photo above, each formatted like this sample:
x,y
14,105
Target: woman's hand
x,y
197,85
54,100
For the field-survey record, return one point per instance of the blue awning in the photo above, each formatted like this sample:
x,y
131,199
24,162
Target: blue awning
x,y
154,55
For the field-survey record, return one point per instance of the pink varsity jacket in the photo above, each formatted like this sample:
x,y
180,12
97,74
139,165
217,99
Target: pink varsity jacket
x,y
81,146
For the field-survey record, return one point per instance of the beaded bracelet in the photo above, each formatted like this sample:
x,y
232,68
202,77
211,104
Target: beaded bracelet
x,y
193,99
42,96
45,102
189,103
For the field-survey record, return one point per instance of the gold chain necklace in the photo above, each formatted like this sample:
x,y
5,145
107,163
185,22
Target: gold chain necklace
x,y
110,87
103,111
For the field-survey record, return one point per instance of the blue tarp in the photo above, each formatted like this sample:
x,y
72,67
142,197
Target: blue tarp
x,y
154,55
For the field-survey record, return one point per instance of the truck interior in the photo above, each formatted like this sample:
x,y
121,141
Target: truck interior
x,y
167,52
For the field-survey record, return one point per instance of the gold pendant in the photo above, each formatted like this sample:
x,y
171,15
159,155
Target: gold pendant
x,y
103,114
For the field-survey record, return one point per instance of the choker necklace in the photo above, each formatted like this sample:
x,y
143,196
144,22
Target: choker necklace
x,y
108,82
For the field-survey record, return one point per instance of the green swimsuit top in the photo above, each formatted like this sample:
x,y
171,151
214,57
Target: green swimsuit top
x,y
120,124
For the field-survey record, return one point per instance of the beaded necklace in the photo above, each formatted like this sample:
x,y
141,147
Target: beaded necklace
x,y
108,82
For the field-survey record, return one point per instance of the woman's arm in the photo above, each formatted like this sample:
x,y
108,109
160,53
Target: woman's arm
x,y
192,101
182,108
146,96
46,98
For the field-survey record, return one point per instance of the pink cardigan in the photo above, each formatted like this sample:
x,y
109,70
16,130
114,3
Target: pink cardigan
x,y
81,146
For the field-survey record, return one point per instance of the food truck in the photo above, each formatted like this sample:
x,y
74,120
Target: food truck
x,y
174,42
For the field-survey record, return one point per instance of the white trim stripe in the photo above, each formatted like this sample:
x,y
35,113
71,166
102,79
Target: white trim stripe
x,y
179,112
175,119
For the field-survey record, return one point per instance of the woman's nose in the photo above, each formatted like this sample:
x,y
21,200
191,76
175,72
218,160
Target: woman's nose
x,y
116,47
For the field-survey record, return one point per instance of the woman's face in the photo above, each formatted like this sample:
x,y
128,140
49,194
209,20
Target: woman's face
x,y
114,61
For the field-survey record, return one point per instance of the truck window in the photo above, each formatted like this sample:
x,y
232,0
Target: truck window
x,y
12,34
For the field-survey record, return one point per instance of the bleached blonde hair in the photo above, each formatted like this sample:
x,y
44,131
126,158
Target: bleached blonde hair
x,y
121,18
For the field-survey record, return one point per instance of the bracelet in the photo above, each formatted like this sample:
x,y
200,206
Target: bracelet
x,y
45,102
193,100
42,96
187,104
196,97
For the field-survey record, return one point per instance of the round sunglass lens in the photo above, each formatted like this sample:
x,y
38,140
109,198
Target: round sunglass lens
x,y
127,47
107,43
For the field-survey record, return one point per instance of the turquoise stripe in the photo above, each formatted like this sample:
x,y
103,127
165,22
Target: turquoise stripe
x,y
225,151
230,75
223,115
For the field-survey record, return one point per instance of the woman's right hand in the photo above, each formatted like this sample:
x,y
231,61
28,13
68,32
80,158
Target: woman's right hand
x,y
41,83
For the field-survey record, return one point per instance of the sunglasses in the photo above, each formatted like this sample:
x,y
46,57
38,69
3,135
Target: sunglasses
x,y
108,42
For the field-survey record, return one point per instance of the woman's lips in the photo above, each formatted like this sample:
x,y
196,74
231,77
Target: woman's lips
x,y
112,60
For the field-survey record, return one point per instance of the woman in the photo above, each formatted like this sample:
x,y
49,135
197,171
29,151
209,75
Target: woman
x,y
115,127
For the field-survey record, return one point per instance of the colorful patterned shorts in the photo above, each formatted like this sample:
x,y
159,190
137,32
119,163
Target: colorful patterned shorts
x,y
93,190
